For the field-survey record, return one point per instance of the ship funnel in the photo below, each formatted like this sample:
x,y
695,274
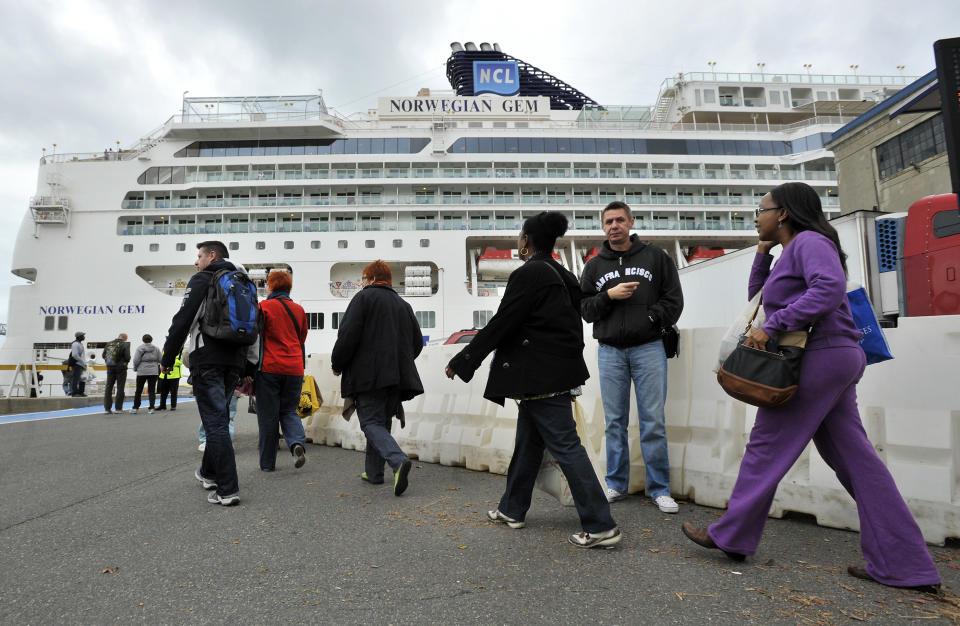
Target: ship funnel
x,y
496,47
486,47
456,47
470,46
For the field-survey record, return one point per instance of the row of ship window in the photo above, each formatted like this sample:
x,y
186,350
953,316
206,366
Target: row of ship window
x,y
315,321
178,175
505,145
349,198
374,224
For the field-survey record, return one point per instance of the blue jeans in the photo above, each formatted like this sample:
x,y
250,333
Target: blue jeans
x,y
375,411
213,387
278,396
646,367
202,434
548,423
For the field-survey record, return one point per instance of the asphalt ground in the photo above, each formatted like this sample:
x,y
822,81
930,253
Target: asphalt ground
x,y
101,521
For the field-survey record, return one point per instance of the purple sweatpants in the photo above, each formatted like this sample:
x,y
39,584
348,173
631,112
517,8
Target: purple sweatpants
x,y
825,409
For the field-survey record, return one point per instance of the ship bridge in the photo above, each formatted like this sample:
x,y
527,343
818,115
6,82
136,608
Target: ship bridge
x,y
254,117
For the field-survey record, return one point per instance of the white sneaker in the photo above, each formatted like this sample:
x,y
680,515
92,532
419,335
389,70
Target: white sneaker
x,y
149,411
607,539
496,516
613,495
666,504
202,446
133,411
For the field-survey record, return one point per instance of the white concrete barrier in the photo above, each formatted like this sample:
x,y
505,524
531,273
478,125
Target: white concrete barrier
x,y
911,416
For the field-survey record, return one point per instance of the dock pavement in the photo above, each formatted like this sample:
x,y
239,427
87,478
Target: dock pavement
x,y
102,521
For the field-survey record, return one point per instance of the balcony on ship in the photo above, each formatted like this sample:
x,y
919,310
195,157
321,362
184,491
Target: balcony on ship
x,y
50,210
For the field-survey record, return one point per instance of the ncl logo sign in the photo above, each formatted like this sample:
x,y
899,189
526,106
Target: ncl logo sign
x,y
499,77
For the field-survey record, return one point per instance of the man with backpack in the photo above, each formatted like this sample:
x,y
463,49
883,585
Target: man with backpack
x,y
219,314
116,354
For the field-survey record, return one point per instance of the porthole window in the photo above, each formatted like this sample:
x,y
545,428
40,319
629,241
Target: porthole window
x,y
261,245
315,244
128,247
234,245
342,244
369,243
62,322
48,322
424,243
398,243
288,245
181,247
154,247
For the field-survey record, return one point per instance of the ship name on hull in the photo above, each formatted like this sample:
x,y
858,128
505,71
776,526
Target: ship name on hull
x,y
94,309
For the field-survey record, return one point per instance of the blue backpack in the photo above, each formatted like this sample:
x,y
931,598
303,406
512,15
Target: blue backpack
x,y
230,312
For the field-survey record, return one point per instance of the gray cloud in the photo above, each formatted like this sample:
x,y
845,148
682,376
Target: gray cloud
x,y
85,74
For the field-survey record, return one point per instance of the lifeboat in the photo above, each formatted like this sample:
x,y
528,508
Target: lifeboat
x,y
702,253
493,263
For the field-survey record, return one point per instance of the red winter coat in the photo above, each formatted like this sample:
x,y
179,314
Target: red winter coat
x,y
280,344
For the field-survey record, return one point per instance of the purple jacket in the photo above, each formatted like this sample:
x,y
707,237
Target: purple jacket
x,y
807,286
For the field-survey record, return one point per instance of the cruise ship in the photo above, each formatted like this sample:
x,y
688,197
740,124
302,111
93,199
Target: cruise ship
x,y
436,183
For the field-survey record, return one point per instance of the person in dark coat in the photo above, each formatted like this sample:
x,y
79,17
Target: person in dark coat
x,y
538,338
377,342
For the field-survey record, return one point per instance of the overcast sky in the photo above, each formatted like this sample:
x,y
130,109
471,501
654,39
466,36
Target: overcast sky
x,y
85,74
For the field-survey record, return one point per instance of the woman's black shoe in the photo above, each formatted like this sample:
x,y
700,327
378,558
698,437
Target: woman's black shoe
x,y
862,574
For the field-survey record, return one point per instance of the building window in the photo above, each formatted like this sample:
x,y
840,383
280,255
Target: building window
x,y
315,321
181,247
128,247
62,322
341,244
398,243
911,147
426,319
234,245
288,245
48,322
424,243
154,247
369,243
336,318
261,245
480,318
315,244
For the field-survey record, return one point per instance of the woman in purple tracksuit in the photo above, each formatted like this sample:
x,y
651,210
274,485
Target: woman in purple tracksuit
x,y
808,286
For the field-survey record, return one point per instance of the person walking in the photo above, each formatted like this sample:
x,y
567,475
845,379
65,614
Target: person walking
x,y
631,291
807,287
146,365
215,366
169,384
116,355
77,363
280,378
377,342
538,338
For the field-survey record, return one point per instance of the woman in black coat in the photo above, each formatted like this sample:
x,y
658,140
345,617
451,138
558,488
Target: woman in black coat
x,y
377,342
538,338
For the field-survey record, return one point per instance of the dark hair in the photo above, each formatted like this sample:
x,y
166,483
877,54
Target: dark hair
x,y
379,272
147,339
278,280
616,205
804,212
544,228
215,247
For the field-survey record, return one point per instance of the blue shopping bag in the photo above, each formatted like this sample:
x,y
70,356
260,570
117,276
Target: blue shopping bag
x,y
874,343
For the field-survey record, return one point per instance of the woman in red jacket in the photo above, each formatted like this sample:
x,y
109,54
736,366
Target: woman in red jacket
x,y
280,376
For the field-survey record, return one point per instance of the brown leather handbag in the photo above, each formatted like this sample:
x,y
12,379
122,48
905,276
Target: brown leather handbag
x,y
764,378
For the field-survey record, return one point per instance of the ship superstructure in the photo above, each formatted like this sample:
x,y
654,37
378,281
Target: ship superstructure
x,y
436,184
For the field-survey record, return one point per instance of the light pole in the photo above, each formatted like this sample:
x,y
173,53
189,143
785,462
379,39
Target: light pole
x,y
808,67
900,69
761,65
713,68
854,68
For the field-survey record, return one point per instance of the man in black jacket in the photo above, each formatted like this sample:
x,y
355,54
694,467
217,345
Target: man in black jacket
x,y
631,291
116,354
377,342
216,366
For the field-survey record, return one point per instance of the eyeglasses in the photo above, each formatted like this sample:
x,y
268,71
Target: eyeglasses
x,y
758,211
